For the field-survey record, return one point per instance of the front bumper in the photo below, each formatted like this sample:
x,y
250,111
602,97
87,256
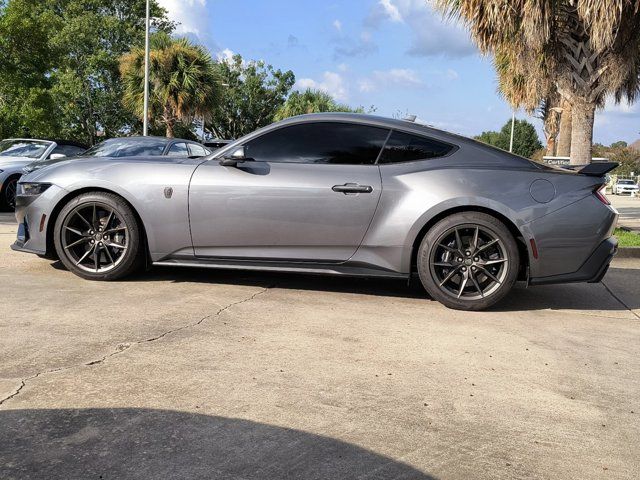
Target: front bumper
x,y
592,271
33,215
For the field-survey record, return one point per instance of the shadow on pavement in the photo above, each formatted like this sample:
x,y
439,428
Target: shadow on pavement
x,y
578,296
142,443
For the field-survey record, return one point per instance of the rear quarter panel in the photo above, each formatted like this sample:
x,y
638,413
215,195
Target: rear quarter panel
x,y
415,193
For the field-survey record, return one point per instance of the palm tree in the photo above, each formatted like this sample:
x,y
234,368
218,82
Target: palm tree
x,y
587,48
522,88
182,77
311,101
564,138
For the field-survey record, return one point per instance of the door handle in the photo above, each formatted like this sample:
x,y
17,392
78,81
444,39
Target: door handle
x,y
348,188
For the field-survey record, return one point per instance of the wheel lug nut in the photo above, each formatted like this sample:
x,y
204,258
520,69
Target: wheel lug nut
x,y
476,259
473,268
459,259
467,253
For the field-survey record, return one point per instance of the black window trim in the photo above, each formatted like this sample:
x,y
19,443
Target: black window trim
x,y
454,148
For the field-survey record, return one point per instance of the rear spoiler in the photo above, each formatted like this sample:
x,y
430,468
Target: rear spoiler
x,y
593,169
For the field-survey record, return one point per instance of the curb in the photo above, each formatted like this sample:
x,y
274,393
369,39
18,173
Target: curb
x,y
628,252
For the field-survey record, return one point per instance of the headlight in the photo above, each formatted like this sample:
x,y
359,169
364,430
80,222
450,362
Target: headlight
x,y
32,189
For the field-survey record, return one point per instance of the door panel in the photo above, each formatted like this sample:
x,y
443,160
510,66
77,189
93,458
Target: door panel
x,y
282,211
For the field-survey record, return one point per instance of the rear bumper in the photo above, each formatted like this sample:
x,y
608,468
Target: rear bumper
x,y
592,271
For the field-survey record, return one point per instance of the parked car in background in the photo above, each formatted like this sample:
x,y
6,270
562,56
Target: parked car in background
x,y
338,194
217,143
135,147
16,153
625,187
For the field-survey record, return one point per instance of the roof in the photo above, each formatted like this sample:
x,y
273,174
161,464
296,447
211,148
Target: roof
x,y
150,138
50,140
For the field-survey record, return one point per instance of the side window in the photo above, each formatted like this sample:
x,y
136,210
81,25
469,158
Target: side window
x,y
178,150
136,148
322,142
197,150
404,147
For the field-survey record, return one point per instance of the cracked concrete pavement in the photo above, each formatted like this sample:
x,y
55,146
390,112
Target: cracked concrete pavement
x,y
214,374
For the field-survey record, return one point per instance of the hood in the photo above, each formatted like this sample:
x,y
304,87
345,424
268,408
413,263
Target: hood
x,y
14,161
91,165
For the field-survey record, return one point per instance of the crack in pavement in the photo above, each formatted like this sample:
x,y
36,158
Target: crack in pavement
x,y
606,287
122,347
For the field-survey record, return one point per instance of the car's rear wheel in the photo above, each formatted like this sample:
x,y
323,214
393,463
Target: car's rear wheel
x,y
8,194
468,261
97,237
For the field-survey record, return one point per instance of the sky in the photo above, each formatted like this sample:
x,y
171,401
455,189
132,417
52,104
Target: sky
x,y
398,56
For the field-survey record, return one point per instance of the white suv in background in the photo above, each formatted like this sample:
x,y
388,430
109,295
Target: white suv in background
x,y
625,187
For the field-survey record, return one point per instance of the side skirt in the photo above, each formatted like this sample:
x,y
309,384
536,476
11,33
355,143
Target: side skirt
x,y
345,269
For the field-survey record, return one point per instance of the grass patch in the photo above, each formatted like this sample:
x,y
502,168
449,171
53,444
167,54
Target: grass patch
x,y
627,239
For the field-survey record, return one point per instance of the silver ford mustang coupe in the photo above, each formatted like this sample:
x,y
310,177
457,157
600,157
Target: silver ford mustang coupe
x,y
337,194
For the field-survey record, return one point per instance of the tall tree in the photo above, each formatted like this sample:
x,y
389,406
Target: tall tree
x,y
94,34
525,138
587,48
26,60
311,101
183,82
253,94
59,64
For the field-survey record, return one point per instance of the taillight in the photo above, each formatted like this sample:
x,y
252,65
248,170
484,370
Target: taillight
x,y
600,194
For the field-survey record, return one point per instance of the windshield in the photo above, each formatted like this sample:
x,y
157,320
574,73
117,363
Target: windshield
x,y
23,148
126,147
625,182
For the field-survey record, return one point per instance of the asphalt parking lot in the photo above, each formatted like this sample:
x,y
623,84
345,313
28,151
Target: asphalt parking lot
x,y
213,374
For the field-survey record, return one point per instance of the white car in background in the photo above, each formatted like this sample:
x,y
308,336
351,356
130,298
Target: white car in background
x,y
625,187
16,153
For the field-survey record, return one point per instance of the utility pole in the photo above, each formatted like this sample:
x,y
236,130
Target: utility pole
x,y
145,121
513,128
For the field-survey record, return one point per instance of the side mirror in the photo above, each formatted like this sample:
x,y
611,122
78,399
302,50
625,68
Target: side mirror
x,y
236,157
57,156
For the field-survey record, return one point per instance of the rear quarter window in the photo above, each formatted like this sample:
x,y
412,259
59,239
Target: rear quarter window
x,y
405,147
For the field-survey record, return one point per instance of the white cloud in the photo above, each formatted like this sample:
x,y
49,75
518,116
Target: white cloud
x,y
452,74
332,83
337,24
403,77
432,35
225,55
191,16
391,11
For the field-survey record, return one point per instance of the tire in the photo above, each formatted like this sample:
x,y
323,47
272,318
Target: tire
x,y
8,194
86,226
490,267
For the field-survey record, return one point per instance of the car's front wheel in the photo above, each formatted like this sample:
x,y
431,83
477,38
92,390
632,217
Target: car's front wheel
x,y
97,237
8,194
468,261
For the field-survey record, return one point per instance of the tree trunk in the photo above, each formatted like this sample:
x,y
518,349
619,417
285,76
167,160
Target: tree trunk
x,y
582,117
170,132
551,146
564,139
